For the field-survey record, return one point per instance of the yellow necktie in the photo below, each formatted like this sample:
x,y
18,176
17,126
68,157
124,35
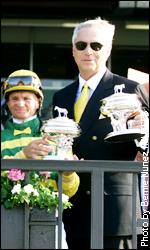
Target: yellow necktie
x,y
81,102
25,131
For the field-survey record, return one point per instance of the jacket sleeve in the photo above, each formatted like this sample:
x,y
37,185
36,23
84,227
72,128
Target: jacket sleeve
x,y
70,184
19,155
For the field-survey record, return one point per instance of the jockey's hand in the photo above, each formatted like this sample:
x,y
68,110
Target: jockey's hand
x,y
37,148
75,157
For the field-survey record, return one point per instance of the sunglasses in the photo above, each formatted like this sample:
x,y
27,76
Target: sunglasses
x,y
21,80
94,45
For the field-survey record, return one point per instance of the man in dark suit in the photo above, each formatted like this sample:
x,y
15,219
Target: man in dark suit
x,y
92,43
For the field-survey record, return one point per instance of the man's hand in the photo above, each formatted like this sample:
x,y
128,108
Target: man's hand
x,y
139,120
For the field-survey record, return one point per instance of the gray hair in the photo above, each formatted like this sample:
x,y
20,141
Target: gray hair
x,y
107,29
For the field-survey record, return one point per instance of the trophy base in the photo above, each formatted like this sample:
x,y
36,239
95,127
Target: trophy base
x,y
52,157
127,135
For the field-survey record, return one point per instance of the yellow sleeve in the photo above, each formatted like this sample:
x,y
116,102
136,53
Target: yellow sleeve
x,y
70,184
19,155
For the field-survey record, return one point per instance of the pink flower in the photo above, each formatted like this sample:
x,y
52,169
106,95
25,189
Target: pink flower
x,y
16,175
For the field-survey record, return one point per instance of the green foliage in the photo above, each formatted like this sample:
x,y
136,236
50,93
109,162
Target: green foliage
x,y
35,190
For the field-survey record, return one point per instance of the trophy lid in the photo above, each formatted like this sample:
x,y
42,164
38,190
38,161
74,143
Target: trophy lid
x,y
61,124
120,100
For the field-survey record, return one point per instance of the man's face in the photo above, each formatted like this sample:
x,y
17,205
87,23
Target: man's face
x,y
88,60
22,104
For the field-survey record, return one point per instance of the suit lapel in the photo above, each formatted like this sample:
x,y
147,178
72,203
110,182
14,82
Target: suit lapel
x,y
65,98
91,113
70,98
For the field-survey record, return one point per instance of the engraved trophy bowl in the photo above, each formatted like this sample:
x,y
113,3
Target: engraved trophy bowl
x,y
119,107
60,132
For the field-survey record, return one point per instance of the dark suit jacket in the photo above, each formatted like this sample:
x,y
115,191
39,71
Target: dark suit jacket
x,y
117,186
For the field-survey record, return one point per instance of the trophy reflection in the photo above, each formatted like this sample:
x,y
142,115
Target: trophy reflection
x,y
119,107
60,133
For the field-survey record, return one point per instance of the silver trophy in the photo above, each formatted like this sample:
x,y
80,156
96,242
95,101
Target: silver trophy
x,y
60,133
119,107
